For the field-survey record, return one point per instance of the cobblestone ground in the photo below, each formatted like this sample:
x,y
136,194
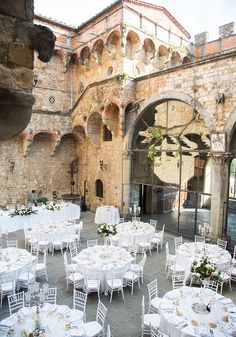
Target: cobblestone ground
x,y
124,317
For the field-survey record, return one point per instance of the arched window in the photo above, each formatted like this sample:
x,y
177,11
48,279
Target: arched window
x,y
107,135
99,188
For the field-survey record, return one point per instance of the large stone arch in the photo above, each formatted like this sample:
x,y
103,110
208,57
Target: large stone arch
x,y
167,96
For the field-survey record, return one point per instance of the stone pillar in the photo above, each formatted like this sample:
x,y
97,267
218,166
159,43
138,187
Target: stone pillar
x,y
219,191
126,181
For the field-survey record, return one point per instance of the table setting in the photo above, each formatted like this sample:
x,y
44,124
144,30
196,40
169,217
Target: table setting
x,y
180,316
47,321
14,260
135,231
196,250
108,215
10,221
103,259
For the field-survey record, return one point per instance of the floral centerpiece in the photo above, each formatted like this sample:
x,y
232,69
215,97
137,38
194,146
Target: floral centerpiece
x,y
52,206
204,269
23,211
106,230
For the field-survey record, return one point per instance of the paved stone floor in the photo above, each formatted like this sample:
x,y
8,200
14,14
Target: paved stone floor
x,y
123,317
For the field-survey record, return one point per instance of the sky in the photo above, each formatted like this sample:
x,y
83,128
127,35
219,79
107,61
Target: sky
x,y
195,16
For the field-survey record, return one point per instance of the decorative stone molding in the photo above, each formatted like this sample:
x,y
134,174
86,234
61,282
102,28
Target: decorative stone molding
x,y
220,158
27,143
56,143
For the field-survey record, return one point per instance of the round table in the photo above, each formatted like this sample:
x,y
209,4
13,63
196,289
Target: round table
x,y
188,252
107,214
104,260
135,232
58,321
14,260
178,319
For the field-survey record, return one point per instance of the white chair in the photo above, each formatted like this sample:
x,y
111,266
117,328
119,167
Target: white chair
x,y
158,238
92,283
79,304
221,243
34,250
73,277
73,249
43,243
226,277
16,302
71,266
169,257
174,267
49,295
130,278
211,284
122,220
178,242
69,237
41,267
91,243
139,267
26,278
153,223
7,284
199,238
114,282
178,279
148,320
58,242
145,246
155,332
154,300
12,243
28,234
96,328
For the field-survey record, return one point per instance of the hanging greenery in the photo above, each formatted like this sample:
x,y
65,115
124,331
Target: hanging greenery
x,y
155,134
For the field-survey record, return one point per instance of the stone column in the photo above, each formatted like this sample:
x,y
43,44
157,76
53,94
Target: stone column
x,y
219,191
126,181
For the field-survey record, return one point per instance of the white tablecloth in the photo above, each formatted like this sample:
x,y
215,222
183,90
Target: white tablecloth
x,y
103,259
58,321
14,260
67,211
179,320
135,231
188,252
107,214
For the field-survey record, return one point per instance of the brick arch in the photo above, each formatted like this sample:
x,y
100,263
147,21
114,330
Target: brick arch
x,y
51,134
230,126
168,96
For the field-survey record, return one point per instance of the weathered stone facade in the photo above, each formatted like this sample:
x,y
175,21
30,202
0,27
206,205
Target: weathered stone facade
x,y
103,80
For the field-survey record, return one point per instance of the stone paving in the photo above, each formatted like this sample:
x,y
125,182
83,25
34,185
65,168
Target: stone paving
x,y
124,317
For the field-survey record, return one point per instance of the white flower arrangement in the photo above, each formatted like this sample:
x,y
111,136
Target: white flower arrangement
x,y
52,206
204,269
23,211
106,230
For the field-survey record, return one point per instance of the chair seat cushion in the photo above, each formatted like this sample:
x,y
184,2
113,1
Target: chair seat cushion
x,y
76,315
177,268
92,284
117,283
145,244
76,277
92,328
152,319
155,240
155,302
130,275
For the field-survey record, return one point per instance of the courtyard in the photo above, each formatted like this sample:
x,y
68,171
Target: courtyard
x,y
124,317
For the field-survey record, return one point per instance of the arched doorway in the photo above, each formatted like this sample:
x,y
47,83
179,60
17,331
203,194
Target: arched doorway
x,y
170,170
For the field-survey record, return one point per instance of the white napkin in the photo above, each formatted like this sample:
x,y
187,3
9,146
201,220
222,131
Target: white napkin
x,y
167,305
203,331
173,294
226,301
178,320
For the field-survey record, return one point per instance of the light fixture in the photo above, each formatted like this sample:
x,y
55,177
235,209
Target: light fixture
x,y
103,165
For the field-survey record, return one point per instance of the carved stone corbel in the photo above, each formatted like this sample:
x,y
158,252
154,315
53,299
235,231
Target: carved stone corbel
x,y
27,143
55,145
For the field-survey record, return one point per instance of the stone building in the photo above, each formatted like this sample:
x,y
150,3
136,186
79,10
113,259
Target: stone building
x,y
109,81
